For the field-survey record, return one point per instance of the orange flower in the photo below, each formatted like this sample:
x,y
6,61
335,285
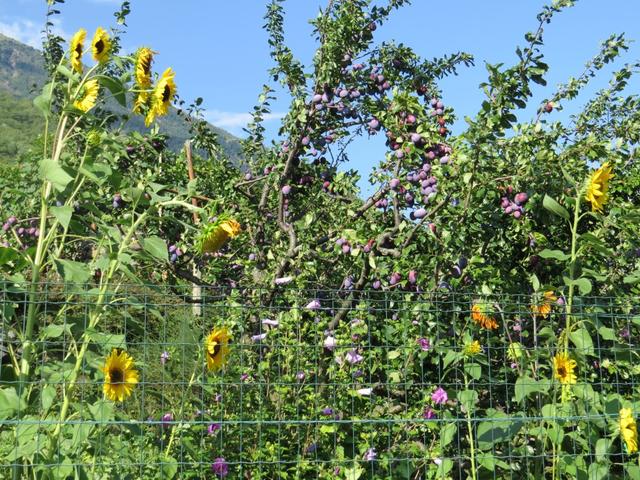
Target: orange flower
x,y
479,316
543,309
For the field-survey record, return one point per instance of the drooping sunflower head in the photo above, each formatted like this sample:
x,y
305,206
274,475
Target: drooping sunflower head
x,y
144,59
214,235
120,376
598,188
542,307
481,315
76,49
101,45
216,348
88,96
628,430
164,92
564,369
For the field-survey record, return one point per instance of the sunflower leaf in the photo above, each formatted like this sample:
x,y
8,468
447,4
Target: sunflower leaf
x,y
116,88
554,207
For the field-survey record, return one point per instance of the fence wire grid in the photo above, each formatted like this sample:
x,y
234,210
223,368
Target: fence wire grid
x,y
319,384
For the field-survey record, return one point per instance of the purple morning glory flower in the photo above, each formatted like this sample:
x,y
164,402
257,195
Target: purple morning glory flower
x,y
220,467
258,338
330,343
164,356
370,455
166,419
439,396
424,344
271,323
428,414
353,357
213,428
283,280
300,376
327,411
313,305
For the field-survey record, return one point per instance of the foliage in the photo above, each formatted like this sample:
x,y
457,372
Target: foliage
x,y
472,261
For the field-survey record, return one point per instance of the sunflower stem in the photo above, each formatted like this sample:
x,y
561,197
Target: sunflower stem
x,y
572,270
173,428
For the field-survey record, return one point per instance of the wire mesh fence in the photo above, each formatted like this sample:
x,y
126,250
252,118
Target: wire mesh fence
x,y
154,382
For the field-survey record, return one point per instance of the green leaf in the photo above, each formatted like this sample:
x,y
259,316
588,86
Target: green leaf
x,y
557,254
473,370
63,215
9,403
116,88
468,399
582,340
8,255
602,449
72,271
598,471
584,284
633,471
169,467
54,173
43,101
554,207
47,397
527,385
444,468
102,411
499,429
107,341
156,247
447,433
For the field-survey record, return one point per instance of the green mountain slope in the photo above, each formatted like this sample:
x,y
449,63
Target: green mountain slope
x,y
21,78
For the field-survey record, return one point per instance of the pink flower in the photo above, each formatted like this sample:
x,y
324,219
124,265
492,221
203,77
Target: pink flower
x,y
353,357
424,344
271,323
313,305
428,414
258,338
330,343
370,455
220,467
164,356
439,396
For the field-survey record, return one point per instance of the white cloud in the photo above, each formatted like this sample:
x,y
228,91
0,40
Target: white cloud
x,y
235,119
29,32
24,31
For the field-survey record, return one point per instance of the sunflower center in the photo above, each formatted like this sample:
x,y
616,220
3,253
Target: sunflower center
x,y
146,66
117,375
562,371
216,350
78,50
99,46
166,93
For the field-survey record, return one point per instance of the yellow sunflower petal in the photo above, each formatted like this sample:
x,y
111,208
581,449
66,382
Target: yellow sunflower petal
x,y
76,49
101,45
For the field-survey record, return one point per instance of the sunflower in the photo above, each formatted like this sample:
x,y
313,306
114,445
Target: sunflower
x,y
543,309
479,315
77,49
119,375
473,348
216,348
216,234
564,367
89,96
629,430
162,96
101,45
598,188
144,58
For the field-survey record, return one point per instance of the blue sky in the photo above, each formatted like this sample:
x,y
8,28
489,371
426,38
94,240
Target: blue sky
x,y
219,50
